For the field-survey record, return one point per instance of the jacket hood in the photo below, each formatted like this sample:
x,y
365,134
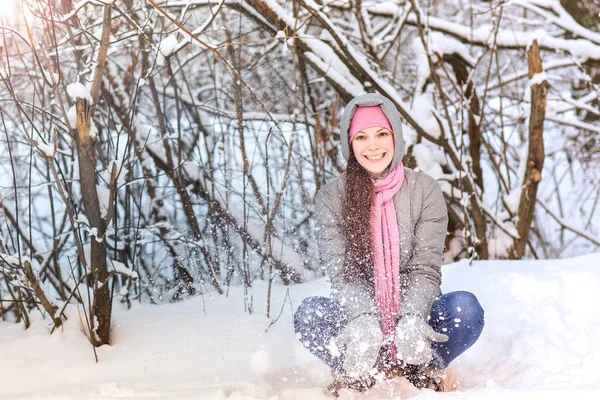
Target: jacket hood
x,y
390,111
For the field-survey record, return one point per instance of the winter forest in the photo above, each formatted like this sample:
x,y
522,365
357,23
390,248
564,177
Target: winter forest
x,y
159,162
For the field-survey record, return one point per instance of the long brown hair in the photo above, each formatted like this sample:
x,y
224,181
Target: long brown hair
x,y
358,199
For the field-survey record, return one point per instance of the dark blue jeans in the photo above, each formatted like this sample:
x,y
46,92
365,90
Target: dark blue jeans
x,y
457,314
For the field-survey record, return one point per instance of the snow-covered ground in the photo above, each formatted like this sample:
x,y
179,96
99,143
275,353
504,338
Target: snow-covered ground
x,y
541,341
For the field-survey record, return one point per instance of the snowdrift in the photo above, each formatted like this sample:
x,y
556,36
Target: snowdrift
x,y
541,340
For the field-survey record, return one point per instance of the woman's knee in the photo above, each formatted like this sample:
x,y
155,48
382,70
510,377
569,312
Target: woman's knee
x,y
465,305
313,309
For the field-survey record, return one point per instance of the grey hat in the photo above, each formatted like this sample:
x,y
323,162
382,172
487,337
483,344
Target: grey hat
x,y
390,111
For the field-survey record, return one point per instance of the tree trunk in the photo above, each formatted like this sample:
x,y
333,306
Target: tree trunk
x,y
101,305
535,157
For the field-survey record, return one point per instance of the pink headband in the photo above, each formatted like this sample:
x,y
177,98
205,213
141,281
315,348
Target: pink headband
x,y
366,117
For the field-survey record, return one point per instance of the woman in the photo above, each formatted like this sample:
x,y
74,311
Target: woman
x,y
381,230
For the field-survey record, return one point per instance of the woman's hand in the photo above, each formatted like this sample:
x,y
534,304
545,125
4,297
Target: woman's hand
x,y
359,343
413,340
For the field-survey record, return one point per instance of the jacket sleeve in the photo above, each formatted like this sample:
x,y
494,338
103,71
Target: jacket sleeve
x,y
356,298
422,276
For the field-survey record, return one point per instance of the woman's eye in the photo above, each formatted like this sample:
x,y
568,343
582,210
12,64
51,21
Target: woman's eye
x,y
383,133
359,137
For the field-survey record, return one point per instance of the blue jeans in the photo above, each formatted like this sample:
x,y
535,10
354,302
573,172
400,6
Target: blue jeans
x,y
457,314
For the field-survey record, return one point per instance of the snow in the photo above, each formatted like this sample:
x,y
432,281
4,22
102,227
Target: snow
x,y
429,159
260,362
76,7
564,19
256,229
46,148
120,268
81,219
78,90
569,226
93,130
51,77
539,342
166,48
583,49
120,170
320,54
438,44
538,78
103,199
9,210
14,260
499,243
513,199
503,80
72,117
422,111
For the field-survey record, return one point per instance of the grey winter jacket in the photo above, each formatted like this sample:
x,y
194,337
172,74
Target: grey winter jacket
x,y
422,223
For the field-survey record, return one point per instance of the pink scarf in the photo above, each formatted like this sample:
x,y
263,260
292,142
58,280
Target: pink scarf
x,y
386,253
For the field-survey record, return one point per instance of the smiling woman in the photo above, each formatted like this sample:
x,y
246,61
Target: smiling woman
x,y
386,315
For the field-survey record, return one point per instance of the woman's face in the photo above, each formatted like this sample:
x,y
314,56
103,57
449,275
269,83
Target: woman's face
x,y
374,149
